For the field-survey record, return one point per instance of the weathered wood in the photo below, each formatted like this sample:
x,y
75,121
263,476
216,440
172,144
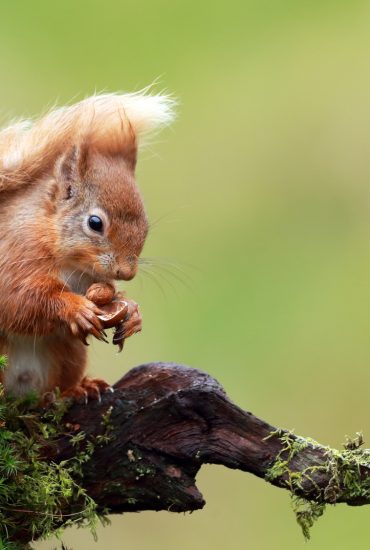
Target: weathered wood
x,y
166,420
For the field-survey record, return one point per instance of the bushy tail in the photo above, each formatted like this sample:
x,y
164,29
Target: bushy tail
x,y
29,149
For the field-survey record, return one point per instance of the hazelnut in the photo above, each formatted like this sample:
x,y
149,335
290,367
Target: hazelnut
x,y
100,293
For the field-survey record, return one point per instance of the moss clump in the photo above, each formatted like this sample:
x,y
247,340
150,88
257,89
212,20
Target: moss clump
x,y
34,493
346,484
306,513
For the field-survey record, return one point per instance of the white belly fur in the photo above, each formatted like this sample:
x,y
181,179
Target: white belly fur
x,y
29,364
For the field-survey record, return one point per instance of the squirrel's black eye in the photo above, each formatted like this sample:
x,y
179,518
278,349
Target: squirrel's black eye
x,y
95,223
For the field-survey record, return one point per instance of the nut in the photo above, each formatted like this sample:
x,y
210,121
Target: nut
x,y
100,293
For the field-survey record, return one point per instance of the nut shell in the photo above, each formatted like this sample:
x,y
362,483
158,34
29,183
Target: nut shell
x,y
114,313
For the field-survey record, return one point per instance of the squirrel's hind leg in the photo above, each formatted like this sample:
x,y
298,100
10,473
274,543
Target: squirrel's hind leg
x,y
70,376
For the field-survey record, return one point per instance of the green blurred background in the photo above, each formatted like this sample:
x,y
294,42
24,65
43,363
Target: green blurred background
x,y
262,191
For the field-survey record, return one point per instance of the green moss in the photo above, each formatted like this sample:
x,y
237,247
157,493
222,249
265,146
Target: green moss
x,y
291,447
33,492
306,513
108,429
344,467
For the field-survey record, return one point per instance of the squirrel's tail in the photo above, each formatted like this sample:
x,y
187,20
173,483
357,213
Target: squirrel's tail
x,y
29,149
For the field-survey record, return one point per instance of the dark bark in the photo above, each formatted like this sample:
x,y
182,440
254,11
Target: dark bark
x,y
166,421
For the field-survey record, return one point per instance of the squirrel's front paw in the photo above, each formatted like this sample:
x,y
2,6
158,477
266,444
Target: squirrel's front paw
x,y
82,319
131,324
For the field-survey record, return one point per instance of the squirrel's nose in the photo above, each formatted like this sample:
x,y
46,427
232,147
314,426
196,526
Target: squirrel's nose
x,y
126,273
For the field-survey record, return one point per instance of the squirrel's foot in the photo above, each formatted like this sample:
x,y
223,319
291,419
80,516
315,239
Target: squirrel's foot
x,y
131,324
88,388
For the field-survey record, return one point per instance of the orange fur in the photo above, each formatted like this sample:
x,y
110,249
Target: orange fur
x,y
74,163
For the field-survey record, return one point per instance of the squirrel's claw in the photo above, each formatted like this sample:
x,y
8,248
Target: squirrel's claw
x,y
119,336
88,389
131,324
99,334
85,321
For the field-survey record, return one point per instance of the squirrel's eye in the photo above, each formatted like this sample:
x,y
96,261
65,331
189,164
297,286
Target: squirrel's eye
x,y
95,223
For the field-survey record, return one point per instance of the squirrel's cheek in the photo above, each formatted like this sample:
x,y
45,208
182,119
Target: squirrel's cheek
x,y
83,256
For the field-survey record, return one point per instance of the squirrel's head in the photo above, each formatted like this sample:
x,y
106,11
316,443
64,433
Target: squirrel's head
x,y
100,218
99,222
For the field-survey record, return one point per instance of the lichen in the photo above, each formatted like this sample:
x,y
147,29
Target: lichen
x,y
345,482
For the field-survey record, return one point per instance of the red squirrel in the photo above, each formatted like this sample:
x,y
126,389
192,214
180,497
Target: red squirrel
x,y
71,215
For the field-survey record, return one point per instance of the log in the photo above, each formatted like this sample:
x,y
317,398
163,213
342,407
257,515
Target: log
x,y
164,421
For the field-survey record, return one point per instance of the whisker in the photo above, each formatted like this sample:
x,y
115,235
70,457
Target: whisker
x,y
162,271
139,278
169,283
171,268
93,267
80,277
164,217
174,262
154,280
153,224
68,278
178,277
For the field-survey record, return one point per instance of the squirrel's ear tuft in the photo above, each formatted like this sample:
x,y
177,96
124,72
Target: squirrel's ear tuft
x,y
72,165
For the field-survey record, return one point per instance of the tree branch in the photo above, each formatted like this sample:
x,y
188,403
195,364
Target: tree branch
x,y
164,421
